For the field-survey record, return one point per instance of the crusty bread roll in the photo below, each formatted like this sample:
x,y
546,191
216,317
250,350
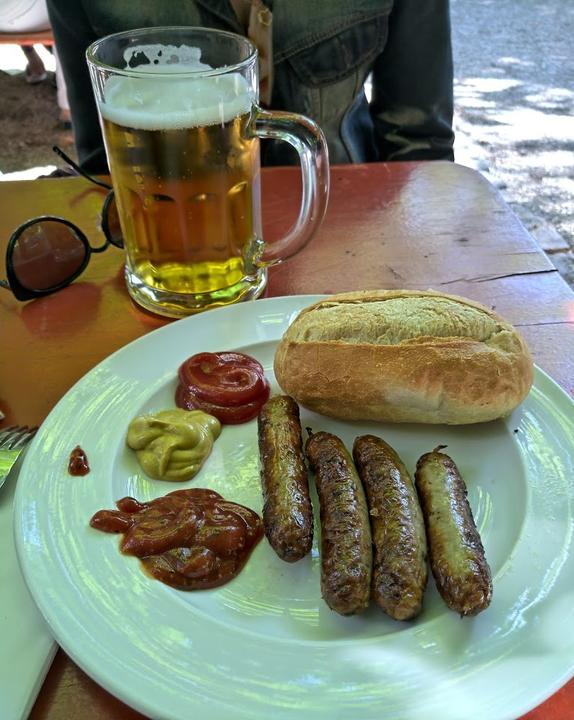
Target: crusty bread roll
x,y
404,356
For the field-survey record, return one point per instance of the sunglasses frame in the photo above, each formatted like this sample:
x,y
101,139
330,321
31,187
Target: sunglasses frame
x,y
105,224
23,293
12,283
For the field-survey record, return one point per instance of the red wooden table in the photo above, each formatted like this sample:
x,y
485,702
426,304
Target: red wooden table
x,y
401,225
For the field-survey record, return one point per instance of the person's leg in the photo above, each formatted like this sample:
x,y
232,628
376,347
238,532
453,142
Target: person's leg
x,y
73,33
63,104
35,70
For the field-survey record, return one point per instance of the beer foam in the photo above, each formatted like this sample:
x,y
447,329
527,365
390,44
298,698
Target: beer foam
x,y
160,103
165,57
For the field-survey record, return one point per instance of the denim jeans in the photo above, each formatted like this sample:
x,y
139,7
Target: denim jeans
x,y
323,52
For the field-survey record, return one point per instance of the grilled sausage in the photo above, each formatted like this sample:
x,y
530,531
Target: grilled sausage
x,y
346,552
397,526
456,554
287,510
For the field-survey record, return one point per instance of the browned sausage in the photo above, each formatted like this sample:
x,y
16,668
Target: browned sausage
x,y
287,510
456,554
397,526
346,552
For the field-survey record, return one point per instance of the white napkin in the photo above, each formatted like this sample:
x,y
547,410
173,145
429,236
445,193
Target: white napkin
x,y
26,646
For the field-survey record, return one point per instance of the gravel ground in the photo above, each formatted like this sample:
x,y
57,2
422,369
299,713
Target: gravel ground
x,y
514,91
29,126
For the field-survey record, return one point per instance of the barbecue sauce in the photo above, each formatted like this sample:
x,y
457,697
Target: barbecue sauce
x,y
189,539
78,462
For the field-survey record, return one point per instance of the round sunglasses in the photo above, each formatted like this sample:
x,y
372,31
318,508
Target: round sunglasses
x,y
47,253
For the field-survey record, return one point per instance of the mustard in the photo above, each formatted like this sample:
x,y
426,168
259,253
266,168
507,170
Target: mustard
x,y
173,444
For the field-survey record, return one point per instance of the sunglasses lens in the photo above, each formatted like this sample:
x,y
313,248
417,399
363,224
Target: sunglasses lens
x,y
47,254
112,222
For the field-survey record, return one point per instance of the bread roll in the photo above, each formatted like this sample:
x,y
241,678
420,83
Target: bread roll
x,y
404,356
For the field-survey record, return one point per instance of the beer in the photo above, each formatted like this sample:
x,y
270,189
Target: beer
x,y
185,166
181,124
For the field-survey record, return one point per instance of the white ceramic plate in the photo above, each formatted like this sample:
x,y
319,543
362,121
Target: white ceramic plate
x,y
265,645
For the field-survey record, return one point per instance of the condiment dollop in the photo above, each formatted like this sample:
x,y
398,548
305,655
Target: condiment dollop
x,y
78,462
189,539
173,444
229,385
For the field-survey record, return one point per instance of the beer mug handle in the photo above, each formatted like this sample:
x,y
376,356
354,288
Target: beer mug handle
x,y
308,139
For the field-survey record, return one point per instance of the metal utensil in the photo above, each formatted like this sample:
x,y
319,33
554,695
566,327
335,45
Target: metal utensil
x,y
13,440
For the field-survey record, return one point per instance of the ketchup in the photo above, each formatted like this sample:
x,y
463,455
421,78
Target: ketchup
x,y
231,386
189,539
78,462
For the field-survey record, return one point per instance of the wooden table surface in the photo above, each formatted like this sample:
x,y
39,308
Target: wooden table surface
x,y
400,225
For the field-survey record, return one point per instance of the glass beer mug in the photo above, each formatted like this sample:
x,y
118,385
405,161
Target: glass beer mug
x,y
181,125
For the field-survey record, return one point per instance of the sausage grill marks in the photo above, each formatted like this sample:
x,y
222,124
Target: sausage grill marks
x,y
287,510
375,523
456,554
346,553
399,541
